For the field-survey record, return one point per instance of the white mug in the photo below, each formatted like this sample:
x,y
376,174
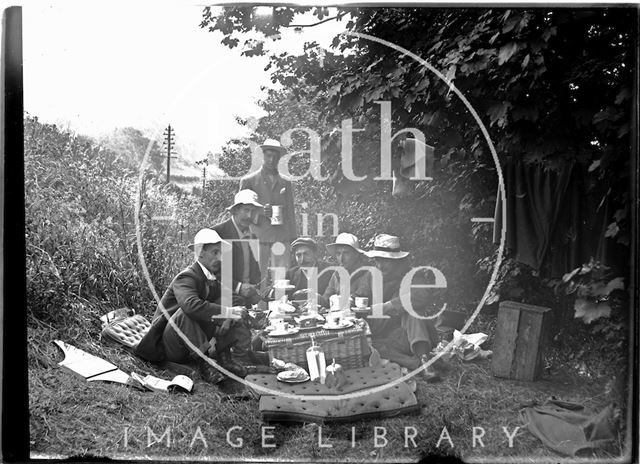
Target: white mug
x,y
362,302
281,283
277,214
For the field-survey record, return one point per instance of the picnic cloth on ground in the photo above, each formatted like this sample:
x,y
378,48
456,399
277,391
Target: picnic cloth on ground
x,y
357,379
562,428
389,402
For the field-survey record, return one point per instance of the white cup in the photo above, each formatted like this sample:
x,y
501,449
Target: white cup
x,y
362,302
277,214
281,283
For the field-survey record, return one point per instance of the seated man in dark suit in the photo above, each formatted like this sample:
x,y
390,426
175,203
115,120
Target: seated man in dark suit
x,y
305,251
245,267
192,302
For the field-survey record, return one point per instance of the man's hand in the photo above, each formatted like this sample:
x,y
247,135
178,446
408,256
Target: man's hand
x,y
211,352
248,290
304,294
385,308
267,210
250,293
239,311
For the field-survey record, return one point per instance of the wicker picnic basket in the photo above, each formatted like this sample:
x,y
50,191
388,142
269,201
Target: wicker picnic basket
x,y
349,347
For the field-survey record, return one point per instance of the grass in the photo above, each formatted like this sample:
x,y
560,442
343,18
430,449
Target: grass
x,y
71,417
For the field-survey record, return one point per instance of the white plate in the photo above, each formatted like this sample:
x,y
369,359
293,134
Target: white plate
x,y
286,287
292,331
344,325
304,379
355,308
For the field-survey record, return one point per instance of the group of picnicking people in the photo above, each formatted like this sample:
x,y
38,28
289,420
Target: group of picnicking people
x,y
194,326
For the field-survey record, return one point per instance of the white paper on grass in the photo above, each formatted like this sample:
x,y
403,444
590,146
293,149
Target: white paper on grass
x,y
475,339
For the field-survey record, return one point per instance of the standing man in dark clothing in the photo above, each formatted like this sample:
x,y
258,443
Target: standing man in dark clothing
x,y
236,229
277,225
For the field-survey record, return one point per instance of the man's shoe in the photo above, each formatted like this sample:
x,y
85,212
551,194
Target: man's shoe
x,y
209,373
260,357
235,368
181,369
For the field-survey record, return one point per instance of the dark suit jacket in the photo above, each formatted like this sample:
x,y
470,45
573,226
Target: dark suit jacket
x,y
228,231
189,291
297,278
267,194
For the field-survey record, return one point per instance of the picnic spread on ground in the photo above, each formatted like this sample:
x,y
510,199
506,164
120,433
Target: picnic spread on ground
x,y
314,342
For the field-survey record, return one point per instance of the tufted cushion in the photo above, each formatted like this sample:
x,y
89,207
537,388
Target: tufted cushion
x,y
357,379
128,331
390,402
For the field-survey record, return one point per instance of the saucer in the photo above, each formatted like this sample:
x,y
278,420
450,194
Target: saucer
x,y
343,325
277,333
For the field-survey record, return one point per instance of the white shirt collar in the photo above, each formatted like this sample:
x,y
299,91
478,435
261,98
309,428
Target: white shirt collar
x,y
207,274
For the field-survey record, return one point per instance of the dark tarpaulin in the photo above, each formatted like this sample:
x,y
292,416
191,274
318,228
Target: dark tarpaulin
x,y
554,222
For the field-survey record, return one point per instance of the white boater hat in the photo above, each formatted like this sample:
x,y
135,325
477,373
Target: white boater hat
x,y
345,239
271,144
387,246
245,197
206,236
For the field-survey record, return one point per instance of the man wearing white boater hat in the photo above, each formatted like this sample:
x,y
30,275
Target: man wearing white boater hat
x,y
272,226
245,269
192,301
402,338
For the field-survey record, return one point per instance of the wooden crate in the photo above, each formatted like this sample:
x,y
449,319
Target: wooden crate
x,y
518,349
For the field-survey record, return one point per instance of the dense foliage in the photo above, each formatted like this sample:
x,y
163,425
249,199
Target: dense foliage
x,y
82,257
552,85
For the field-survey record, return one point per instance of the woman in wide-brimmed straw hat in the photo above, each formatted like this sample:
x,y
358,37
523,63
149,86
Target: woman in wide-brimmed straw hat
x,y
402,338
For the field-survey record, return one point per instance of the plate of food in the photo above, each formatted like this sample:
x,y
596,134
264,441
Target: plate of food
x,y
344,324
287,308
282,333
293,376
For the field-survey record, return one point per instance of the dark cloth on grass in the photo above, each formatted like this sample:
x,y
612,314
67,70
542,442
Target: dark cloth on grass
x,y
567,429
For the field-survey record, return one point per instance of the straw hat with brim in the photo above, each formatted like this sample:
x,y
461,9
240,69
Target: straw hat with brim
x,y
344,239
271,144
205,237
245,197
304,241
386,246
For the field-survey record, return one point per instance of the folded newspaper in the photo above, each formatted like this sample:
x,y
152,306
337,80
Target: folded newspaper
x,y
180,383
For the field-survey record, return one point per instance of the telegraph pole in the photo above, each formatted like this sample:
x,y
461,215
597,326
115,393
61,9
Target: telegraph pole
x,y
169,141
204,163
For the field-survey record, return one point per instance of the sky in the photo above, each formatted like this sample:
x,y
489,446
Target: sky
x,y
93,67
